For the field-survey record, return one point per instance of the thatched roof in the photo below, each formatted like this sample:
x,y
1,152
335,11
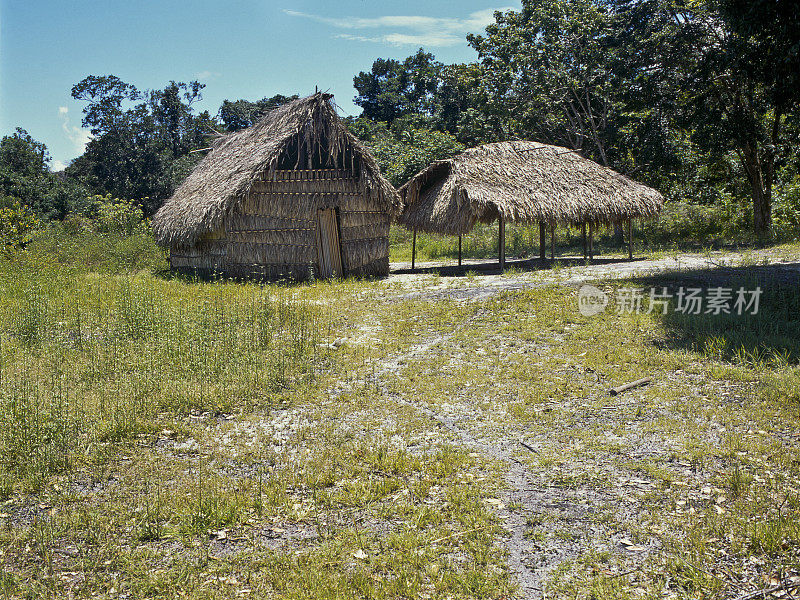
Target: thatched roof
x,y
227,172
522,181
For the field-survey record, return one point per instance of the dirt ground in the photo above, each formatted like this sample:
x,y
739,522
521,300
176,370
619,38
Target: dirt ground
x,y
553,523
465,440
479,279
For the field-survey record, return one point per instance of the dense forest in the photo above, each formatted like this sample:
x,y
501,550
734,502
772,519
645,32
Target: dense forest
x,y
698,99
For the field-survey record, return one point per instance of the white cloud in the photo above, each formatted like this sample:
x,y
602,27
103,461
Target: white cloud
x,y
205,75
420,30
57,165
77,135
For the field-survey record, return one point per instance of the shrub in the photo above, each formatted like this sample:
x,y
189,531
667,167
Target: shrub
x,y
117,215
786,211
17,225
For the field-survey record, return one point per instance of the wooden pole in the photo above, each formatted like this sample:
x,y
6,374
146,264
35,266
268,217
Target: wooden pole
x,y
630,239
591,241
502,244
583,239
553,241
414,250
630,386
541,240
459,250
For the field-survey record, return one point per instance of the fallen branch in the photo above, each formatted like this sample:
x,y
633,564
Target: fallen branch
x,y
775,588
629,386
455,535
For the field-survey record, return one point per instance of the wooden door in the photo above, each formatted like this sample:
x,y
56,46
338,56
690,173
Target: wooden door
x,y
329,251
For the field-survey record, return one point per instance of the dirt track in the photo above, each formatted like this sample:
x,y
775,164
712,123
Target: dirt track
x,y
480,279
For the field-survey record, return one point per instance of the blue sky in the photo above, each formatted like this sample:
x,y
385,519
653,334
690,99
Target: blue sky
x,y
239,49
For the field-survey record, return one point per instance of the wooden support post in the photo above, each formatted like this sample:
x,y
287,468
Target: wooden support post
x,y
630,239
553,241
541,240
502,245
459,250
414,250
583,239
591,241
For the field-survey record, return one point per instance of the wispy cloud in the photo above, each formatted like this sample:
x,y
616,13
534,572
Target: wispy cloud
x,y
77,135
205,75
415,30
57,165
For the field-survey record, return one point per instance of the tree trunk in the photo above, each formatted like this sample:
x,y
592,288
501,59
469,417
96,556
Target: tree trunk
x,y
760,178
762,210
760,170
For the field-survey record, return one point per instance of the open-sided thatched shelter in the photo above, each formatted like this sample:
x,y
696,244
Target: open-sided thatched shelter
x,y
524,182
294,194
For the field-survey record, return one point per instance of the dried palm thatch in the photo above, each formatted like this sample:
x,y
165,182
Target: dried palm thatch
x,y
523,182
308,128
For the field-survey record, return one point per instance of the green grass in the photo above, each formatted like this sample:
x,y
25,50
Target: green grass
x,y
163,437
140,416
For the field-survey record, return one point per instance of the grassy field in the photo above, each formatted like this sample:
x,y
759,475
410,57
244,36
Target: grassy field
x,y
163,437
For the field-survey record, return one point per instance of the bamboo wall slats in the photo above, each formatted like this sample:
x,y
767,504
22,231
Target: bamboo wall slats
x,y
273,231
288,188
309,175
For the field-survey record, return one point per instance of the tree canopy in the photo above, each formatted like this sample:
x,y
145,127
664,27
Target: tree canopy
x,y
699,99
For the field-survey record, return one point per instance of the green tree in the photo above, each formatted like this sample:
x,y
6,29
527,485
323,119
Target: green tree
x,y
393,89
728,71
553,70
25,176
17,224
404,148
144,142
240,114
564,72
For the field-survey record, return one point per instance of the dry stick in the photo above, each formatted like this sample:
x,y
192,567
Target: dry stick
x,y
769,590
527,447
501,243
455,535
583,240
628,386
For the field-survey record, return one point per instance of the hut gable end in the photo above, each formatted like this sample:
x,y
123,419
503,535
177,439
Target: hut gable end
x,y
264,188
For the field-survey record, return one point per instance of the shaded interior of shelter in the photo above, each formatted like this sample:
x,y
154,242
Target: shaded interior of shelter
x,y
547,244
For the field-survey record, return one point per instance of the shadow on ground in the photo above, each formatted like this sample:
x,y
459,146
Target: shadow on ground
x,y
767,332
492,267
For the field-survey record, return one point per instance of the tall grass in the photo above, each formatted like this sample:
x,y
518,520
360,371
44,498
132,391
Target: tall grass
x,y
89,360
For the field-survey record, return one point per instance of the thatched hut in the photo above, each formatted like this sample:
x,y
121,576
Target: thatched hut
x,y
294,195
524,182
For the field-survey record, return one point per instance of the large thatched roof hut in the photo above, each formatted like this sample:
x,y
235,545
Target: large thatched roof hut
x,y
524,182
296,194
